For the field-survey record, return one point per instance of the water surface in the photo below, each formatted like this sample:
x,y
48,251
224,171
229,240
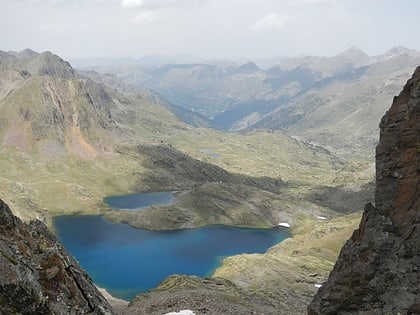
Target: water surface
x,y
127,261
139,201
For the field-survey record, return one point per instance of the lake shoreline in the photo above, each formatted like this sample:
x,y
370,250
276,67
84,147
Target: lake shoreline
x,y
150,257
140,201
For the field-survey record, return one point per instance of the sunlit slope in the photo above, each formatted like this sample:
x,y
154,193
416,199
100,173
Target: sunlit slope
x,y
343,112
68,141
63,136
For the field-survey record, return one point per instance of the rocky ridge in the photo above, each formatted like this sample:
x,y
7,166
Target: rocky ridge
x,y
79,179
38,276
377,271
330,101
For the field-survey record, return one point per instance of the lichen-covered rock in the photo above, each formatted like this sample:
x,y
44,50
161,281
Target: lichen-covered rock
x,y
38,276
202,295
378,270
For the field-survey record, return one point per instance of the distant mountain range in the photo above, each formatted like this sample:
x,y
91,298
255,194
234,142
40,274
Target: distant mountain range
x,y
76,137
333,101
69,138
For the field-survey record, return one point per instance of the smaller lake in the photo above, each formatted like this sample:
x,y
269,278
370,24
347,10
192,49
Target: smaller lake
x,y
140,200
127,261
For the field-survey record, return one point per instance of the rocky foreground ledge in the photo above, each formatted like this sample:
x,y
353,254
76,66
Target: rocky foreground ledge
x,y
378,270
38,276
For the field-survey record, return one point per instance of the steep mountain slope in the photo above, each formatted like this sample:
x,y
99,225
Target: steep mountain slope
x,y
51,110
74,141
212,89
64,133
38,276
341,112
331,101
377,270
185,115
68,141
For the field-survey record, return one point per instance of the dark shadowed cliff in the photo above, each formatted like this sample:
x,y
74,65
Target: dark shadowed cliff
x,y
38,276
377,271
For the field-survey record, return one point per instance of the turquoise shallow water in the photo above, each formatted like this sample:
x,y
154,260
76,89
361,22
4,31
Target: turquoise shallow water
x,y
127,261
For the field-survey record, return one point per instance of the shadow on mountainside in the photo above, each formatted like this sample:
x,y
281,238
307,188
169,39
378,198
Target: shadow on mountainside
x,y
342,199
170,169
205,194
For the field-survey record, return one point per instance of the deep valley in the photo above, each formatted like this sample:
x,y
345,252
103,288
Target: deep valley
x,y
237,145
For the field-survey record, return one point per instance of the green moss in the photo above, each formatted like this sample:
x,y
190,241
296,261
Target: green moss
x,y
9,258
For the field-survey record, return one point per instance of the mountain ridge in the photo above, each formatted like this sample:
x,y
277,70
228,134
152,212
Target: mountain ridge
x,y
271,98
94,141
219,178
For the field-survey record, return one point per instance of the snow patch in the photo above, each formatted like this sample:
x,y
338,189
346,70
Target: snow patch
x,y
284,224
321,218
183,312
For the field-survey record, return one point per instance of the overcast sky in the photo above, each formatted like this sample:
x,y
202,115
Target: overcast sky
x,y
208,28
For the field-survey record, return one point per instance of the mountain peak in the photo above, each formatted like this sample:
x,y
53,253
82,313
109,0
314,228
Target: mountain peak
x,y
247,68
24,54
50,64
399,50
353,52
356,57
27,53
67,112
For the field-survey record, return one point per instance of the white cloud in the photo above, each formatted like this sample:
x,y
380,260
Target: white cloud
x,y
132,3
272,21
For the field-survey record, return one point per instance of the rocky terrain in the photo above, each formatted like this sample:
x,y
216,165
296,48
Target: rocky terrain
x,y
71,136
377,271
341,113
38,276
74,141
332,101
281,281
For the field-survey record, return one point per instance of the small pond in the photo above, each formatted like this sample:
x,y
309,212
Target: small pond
x,y
140,200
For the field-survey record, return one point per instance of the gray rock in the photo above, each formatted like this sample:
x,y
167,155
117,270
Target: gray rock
x,y
38,276
377,271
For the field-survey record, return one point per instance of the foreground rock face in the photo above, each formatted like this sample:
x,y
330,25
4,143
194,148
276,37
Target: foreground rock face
x,y
202,295
378,270
38,276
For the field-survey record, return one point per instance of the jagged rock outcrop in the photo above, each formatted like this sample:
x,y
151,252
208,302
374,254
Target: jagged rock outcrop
x,y
378,270
38,276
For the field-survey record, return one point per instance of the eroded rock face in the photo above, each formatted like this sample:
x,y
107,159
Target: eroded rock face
x,y
378,270
38,276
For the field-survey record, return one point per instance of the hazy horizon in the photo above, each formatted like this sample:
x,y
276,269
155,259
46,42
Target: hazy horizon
x,y
207,29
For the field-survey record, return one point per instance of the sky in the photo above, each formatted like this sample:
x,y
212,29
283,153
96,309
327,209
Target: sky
x,y
215,29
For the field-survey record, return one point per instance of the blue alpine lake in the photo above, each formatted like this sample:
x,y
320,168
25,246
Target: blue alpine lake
x,y
139,201
127,261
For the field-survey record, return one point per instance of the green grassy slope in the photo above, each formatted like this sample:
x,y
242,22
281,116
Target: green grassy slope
x,y
73,141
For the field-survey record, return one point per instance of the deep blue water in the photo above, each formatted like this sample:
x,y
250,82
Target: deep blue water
x,y
139,201
127,261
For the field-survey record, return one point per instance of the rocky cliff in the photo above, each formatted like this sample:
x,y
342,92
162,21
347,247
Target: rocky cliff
x,y
38,276
377,271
